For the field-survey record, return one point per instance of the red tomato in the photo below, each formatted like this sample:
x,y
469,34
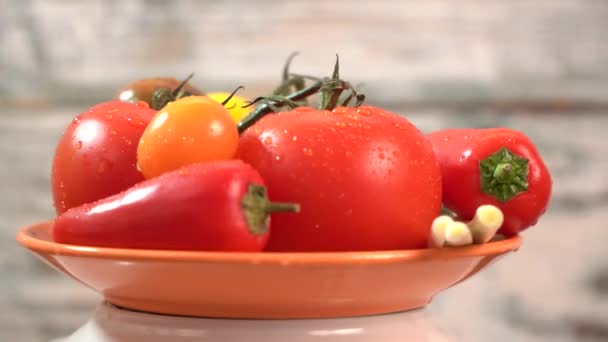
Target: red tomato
x,y
218,206
366,179
96,155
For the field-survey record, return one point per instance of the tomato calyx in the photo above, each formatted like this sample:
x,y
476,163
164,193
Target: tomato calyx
x,y
290,80
329,89
504,174
163,96
332,89
257,208
274,102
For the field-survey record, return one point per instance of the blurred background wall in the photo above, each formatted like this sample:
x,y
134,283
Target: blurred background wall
x,y
540,66
437,51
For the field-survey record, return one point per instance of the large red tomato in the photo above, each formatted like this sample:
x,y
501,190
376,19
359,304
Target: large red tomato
x,y
366,179
96,155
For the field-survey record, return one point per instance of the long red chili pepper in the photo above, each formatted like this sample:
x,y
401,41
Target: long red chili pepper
x,y
219,206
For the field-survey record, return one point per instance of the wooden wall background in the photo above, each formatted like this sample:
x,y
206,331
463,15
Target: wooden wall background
x,y
430,52
540,66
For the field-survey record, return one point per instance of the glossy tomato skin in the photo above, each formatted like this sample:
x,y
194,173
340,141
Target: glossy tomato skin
x,y
197,207
189,130
96,155
366,179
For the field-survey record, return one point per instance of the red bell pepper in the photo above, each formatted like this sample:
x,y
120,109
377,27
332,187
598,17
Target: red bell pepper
x,y
217,206
497,166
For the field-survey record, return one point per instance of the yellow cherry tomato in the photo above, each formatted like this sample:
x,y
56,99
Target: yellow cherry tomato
x,y
234,106
190,130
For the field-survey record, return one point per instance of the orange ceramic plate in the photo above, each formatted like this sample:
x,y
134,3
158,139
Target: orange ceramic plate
x,y
264,285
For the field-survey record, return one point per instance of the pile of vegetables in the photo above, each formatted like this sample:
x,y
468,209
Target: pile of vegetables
x,y
166,166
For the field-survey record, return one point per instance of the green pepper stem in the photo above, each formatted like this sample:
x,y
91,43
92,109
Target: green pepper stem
x,y
504,175
503,172
257,208
276,207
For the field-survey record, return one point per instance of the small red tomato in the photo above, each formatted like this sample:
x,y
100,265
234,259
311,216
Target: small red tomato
x,y
497,166
96,155
144,89
189,130
215,206
366,179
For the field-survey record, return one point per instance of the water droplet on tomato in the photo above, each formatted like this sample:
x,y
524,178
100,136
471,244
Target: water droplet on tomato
x,y
329,150
267,140
340,110
340,124
307,151
303,109
277,158
381,156
61,185
142,104
166,141
348,212
113,132
128,142
285,131
295,138
397,125
103,166
364,111
348,153
78,145
183,138
109,116
76,120
135,122
317,226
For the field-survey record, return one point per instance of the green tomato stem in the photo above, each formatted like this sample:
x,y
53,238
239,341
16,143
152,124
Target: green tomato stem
x,y
257,209
264,109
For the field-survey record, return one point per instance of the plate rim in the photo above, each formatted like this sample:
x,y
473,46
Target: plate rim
x,y
26,238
